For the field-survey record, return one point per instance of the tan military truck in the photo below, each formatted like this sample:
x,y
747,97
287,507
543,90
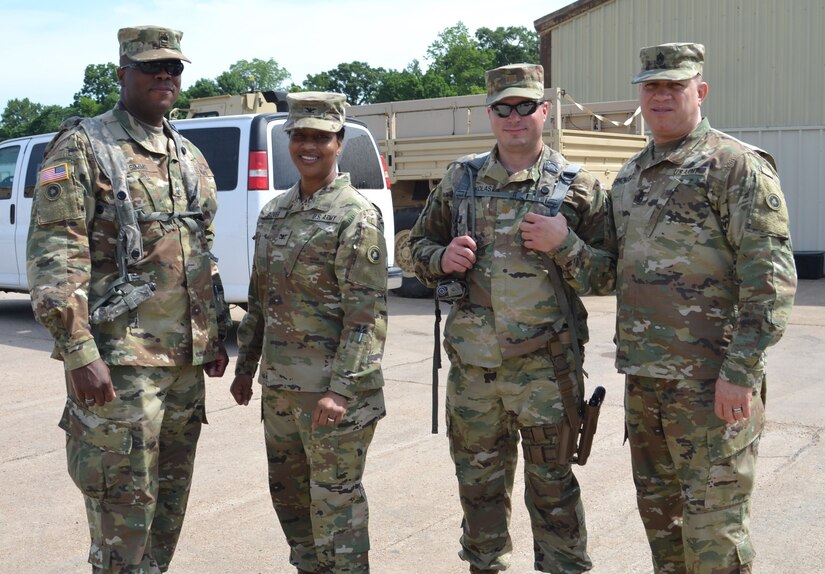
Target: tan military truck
x,y
419,138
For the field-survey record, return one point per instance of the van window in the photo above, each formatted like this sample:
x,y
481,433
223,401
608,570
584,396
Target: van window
x,y
35,159
358,157
8,162
220,147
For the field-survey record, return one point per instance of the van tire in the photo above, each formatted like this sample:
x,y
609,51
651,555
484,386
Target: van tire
x,y
411,287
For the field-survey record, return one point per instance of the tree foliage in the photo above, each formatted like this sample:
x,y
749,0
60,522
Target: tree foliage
x,y
257,75
357,80
21,117
456,62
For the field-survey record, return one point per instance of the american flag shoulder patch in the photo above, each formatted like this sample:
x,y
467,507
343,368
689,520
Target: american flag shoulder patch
x,y
54,173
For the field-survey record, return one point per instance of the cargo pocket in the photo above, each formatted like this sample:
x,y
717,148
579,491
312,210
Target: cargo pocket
x,y
732,451
97,452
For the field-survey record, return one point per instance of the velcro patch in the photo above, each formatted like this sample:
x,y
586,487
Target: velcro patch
x,y
54,173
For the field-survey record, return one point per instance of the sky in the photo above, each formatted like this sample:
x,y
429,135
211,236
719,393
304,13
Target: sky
x,y
47,44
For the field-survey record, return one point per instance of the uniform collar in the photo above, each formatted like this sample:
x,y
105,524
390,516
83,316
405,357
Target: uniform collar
x,y
493,168
322,199
154,140
677,152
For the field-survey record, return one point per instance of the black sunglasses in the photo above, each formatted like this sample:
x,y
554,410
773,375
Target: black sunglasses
x,y
523,108
171,67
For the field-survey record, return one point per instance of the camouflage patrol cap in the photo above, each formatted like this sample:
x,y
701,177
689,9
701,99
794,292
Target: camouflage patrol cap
x,y
147,43
524,80
674,61
316,110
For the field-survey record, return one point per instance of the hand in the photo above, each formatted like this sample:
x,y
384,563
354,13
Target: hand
x,y
329,410
459,256
216,368
92,383
241,389
733,402
543,233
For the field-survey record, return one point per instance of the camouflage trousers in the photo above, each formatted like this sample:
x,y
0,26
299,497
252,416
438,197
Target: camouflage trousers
x,y
694,475
315,479
132,459
485,410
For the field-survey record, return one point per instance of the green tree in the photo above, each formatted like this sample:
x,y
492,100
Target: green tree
x,y
18,117
49,120
257,75
510,45
100,91
407,84
457,57
100,84
357,80
202,88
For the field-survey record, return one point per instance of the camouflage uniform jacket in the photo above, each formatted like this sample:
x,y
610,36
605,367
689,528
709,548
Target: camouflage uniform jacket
x,y
512,306
72,251
317,316
706,275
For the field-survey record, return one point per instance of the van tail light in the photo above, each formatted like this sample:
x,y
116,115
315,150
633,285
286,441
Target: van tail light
x,y
386,172
258,171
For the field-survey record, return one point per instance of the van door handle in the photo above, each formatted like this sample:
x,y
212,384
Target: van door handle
x,y
11,214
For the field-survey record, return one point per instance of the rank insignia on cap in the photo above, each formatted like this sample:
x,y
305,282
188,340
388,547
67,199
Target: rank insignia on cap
x,y
53,173
373,254
774,201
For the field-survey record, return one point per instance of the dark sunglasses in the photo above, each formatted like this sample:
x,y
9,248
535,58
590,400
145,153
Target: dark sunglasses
x,y
171,67
523,108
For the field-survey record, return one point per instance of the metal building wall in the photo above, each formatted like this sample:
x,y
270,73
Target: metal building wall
x,y
765,67
765,58
801,166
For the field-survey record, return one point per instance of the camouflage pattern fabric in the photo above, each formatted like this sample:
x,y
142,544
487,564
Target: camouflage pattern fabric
x,y
511,305
706,275
317,315
705,284
72,248
674,61
147,43
694,475
72,252
132,459
514,80
323,111
485,409
315,479
317,321
497,339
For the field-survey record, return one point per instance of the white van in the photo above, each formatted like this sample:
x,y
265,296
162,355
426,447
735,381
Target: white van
x,y
250,159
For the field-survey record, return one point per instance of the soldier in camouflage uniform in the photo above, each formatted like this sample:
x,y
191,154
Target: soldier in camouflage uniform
x,y
705,284
502,378
317,321
135,341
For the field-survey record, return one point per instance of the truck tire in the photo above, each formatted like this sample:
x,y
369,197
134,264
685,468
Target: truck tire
x,y
411,287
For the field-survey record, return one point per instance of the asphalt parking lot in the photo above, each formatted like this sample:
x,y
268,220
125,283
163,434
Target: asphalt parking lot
x,y
415,514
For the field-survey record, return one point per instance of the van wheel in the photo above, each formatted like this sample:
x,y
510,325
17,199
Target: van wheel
x,y
411,287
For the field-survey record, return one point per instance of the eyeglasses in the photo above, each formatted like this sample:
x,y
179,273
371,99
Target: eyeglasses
x,y
318,138
171,67
522,108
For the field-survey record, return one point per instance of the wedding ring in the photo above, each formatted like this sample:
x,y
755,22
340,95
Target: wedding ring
x,y
330,418
90,402
737,410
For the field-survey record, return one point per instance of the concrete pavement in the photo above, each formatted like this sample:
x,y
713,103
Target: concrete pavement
x,y
415,514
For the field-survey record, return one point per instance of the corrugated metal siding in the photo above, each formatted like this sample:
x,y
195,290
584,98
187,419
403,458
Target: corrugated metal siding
x,y
766,58
798,155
